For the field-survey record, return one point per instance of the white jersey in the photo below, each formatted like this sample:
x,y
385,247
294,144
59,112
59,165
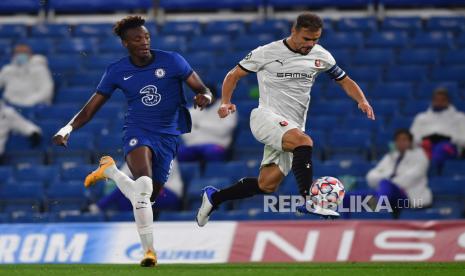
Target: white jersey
x,y
285,77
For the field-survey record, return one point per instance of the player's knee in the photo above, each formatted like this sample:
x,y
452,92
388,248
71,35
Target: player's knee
x,y
296,138
267,184
144,186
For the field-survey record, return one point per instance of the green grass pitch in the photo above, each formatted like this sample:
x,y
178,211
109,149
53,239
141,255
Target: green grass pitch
x,y
301,269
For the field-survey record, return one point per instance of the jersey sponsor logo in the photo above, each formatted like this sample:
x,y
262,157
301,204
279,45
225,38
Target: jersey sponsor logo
x,y
280,62
248,56
295,75
160,73
133,142
317,63
128,77
283,123
152,97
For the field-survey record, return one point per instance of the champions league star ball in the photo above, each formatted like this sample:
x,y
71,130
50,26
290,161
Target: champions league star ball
x,y
327,192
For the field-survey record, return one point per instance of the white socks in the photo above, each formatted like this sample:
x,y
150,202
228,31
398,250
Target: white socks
x,y
138,192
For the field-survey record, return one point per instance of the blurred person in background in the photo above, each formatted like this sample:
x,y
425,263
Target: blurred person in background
x,y
170,197
402,174
12,121
27,81
440,130
211,136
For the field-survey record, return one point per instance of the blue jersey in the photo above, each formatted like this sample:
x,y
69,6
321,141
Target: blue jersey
x,y
156,100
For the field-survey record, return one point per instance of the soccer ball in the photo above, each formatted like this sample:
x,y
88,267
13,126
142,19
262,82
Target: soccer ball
x,y
327,192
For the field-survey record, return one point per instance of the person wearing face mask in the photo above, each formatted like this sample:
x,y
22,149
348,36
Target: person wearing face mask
x,y
27,81
402,174
440,130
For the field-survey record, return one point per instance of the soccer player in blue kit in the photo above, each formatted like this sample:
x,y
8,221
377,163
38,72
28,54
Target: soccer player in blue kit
x,y
152,83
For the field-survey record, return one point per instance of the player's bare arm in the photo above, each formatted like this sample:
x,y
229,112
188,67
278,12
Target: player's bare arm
x,y
203,95
80,119
355,92
229,84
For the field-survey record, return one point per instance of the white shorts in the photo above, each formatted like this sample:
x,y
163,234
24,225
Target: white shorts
x,y
268,128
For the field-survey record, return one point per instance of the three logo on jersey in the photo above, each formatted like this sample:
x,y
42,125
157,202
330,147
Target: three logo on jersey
x,y
151,96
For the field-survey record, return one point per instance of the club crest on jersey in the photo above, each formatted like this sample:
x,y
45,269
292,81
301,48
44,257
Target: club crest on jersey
x,y
151,96
133,142
283,123
160,73
317,63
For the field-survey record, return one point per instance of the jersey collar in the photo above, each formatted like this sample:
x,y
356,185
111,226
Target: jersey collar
x,y
148,64
292,50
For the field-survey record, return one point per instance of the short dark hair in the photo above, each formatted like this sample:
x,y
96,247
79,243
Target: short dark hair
x,y
129,22
405,131
441,91
309,21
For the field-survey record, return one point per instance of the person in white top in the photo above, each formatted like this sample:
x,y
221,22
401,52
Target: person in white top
x,y
210,137
402,174
440,130
286,70
12,121
26,80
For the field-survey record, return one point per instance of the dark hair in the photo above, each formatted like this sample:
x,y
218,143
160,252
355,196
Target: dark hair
x,y
309,21
129,22
441,91
401,131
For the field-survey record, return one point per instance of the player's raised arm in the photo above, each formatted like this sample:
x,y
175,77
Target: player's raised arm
x,y
203,95
80,119
229,84
355,92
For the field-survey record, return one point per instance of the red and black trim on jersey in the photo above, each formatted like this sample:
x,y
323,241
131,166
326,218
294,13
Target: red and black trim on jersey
x,y
336,73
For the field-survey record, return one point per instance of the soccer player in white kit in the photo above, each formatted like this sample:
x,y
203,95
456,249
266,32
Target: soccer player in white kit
x,y
286,70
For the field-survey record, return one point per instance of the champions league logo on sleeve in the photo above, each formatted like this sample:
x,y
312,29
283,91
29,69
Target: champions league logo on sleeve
x,y
317,63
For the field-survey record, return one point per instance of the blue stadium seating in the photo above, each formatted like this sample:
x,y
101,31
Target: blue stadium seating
x,y
194,190
184,28
455,57
409,24
231,28
33,218
85,217
82,6
319,3
248,42
342,40
12,31
89,30
37,173
445,23
232,170
434,39
277,27
409,73
189,5
373,57
390,39
411,108
19,6
357,24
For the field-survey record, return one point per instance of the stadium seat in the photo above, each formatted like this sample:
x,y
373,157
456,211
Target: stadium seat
x,y
332,108
189,5
342,40
406,73
248,42
430,214
120,216
373,57
70,157
184,28
412,108
109,143
33,218
83,77
77,172
90,30
401,122
454,57
177,216
370,215
234,170
432,40
23,157
448,23
418,57
111,45
76,45
61,64
82,6
189,171
210,43
80,140
44,46
73,95
449,73
200,61
393,90
6,174
454,168
12,31
170,42
69,191
37,173
410,24
19,6
357,24
287,4
355,141
322,122
276,27
85,217
365,73
51,30
97,62
386,107
447,186
387,40
231,28
425,90
4,217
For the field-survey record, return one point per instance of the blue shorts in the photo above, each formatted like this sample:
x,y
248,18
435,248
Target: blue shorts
x,y
164,148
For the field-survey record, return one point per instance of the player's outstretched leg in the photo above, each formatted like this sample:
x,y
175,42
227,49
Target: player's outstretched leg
x,y
212,197
138,192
